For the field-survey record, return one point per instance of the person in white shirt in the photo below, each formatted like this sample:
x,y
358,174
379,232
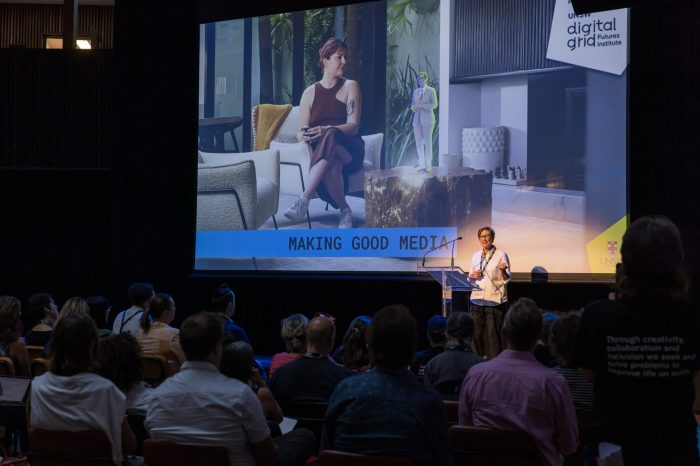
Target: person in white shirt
x,y
201,406
490,272
140,295
71,398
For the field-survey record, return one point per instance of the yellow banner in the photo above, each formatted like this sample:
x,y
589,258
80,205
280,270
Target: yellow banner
x,y
604,250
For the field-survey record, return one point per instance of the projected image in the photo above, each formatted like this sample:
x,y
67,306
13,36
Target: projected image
x,y
369,136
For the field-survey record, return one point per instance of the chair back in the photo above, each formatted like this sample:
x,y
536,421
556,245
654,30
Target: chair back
x,y
39,366
7,367
452,412
343,458
481,446
155,369
162,453
35,352
57,448
309,414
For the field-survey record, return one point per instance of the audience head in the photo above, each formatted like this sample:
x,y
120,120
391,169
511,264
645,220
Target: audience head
x,y
330,47
562,336
140,294
522,325
320,334
73,343
355,344
652,255
73,306
119,358
460,329
160,309
223,300
200,337
436,330
10,310
548,319
392,338
40,306
237,361
293,332
98,309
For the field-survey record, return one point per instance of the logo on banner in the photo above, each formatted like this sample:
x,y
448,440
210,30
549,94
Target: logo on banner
x,y
593,40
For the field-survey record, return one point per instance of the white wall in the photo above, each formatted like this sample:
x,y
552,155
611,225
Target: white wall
x,y
504,103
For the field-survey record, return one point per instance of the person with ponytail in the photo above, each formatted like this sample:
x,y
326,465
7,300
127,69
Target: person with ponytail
x,y
156,336
353,353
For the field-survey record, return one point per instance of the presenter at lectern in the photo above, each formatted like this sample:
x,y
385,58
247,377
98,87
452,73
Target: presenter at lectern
x,y
423,103
490,271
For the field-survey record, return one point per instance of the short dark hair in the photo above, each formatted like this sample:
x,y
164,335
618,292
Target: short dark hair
x,y
97,308
221,296
199,335
331,46
562,336
139,293
392,337
36,308
652,255
490,230
460,326
523,324
73,345
119,359
237,361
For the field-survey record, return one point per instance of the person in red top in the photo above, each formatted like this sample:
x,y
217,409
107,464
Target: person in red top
x,y
293,333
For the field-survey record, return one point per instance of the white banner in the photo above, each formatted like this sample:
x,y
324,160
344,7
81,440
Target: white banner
x,y
593,40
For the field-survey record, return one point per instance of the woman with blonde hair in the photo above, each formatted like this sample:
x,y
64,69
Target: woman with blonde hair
x,y
75,306
293,333
10,344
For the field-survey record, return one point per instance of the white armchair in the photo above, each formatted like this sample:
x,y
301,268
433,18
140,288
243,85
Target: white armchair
x,y
295,156
237,191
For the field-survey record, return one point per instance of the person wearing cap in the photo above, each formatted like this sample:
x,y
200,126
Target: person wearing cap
x,y
436,339
446,371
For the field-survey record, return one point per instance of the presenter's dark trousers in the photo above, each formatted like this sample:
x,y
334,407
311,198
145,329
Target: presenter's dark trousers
x,y
488,321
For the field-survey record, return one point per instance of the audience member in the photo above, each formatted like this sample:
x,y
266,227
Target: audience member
x,y
314,376
642,349
293,333
140,295
42,314
98,309
562,336
201,406
238,362
71,398
353,353
385,411
156,336
514,392
446,371
541,351
436,339
118,358
223,304
10,344
75,306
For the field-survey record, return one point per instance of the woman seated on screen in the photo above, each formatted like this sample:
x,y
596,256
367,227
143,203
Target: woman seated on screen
x,y
329,117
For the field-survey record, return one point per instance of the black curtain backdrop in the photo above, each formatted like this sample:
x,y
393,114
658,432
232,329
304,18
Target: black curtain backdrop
x,y
130,216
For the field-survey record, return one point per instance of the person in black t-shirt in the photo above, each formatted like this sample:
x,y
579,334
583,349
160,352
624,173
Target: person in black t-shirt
x,y
641,351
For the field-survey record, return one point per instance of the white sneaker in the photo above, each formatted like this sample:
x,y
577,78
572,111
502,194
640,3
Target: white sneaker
x,y
345,218
297,212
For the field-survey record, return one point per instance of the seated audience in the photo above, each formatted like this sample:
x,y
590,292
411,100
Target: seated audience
x,y
98,309
293,333
10,344
642,349
385,411
201,406
353,353
118,358
436,339
75,306
542,350
140,295
42,314
156,336
446,371
514,392
562,336
71,398
312,377
238,362
223,304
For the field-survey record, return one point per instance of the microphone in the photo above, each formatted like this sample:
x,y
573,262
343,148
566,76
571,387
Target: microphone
x,y
438,247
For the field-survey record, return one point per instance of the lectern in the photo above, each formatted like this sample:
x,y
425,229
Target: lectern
x,y
450,279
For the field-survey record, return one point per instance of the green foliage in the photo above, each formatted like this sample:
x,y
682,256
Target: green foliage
x,y
318,28
397,16
399,128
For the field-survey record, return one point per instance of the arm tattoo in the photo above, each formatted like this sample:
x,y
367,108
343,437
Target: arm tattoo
x,y
350,107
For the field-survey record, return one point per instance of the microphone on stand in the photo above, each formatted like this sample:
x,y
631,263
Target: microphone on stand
x,y
438,247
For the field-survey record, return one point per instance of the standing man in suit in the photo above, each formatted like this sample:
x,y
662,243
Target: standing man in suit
x,y
423,103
